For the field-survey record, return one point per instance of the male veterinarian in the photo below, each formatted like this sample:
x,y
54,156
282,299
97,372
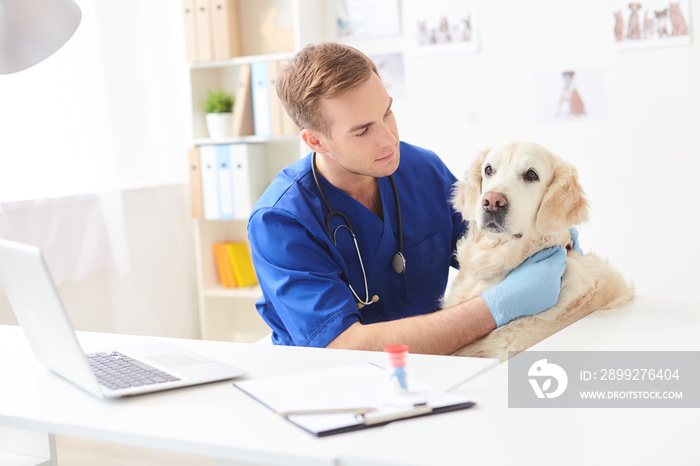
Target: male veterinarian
x,y
323,287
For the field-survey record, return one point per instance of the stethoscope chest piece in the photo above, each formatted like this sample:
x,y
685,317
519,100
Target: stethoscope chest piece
x,y
399,263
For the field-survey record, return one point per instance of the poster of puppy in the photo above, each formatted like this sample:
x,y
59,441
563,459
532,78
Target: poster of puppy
x,y
569,95
441,26
650,23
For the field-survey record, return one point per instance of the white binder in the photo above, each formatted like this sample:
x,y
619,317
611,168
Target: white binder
x,y
249,168
210,195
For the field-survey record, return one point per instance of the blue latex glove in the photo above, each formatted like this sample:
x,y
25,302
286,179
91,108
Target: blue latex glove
x,y
530,288
576,246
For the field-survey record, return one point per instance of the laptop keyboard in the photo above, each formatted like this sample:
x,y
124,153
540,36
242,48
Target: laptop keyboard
x,y
115,370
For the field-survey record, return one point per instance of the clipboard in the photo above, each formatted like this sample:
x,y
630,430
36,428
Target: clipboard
x,y
348,398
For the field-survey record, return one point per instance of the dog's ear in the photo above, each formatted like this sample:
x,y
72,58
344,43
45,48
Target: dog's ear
x,y
466,193
564,204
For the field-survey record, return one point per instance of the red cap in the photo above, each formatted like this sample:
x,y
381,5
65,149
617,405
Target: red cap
x,y
396,349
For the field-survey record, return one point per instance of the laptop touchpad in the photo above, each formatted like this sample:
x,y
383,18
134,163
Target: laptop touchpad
x,y
175,360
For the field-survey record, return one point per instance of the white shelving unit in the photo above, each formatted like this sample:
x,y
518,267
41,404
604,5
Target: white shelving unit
x,y
229,314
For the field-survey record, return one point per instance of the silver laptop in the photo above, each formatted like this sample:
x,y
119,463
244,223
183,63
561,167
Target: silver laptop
x,y
39,310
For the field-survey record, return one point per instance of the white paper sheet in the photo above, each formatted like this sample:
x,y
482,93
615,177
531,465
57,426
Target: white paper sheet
x,y
353,386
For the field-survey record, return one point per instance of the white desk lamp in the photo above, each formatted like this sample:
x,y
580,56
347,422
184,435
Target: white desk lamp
x,y
32,30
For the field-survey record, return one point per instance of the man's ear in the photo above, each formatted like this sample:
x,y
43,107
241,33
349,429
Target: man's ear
x,y
467,193
564,204
314,140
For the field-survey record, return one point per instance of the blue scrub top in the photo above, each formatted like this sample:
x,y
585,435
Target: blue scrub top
x,y
304,277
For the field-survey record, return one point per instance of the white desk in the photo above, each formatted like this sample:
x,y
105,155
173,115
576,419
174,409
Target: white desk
x,y
219,421
597,436
215,420
645,324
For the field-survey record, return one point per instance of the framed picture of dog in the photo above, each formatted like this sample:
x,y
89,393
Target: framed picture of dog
x,y
650,23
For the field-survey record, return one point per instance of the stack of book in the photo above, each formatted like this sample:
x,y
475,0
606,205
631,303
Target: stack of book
x,y
234,265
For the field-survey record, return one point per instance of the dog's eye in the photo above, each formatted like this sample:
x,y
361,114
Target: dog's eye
x,y
531,175
488,171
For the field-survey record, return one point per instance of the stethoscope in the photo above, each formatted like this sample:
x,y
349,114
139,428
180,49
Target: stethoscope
x,y
398,261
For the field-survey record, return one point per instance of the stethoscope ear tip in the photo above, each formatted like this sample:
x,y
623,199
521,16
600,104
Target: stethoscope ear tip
x,y
374,299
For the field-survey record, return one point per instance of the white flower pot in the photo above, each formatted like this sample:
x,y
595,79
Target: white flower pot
x,y
219,124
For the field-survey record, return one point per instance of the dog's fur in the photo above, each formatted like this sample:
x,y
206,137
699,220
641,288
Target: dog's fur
x,y
537,215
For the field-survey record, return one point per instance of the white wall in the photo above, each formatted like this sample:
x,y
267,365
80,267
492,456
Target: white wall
x,y
108,111
639,165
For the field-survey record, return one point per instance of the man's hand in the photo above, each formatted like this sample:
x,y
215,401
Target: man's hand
x,y
530,288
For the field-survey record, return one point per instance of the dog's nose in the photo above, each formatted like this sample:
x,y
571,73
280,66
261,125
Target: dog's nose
x,y
494,202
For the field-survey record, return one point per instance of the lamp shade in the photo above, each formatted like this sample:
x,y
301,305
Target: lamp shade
x,y
32,30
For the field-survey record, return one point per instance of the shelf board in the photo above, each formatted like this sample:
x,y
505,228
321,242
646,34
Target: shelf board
x,y
222,292
241,60
244,140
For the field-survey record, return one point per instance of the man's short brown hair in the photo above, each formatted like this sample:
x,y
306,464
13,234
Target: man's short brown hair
x,y
320,71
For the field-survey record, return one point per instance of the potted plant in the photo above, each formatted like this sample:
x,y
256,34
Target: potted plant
x,y
219,114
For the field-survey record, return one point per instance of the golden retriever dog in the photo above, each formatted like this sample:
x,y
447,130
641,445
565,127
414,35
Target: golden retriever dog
x,y
519,198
